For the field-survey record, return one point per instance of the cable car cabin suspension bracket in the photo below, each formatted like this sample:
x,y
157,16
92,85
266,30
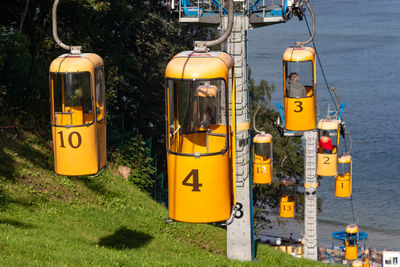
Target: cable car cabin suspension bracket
x,y
236,213
298,11
202,46
72,49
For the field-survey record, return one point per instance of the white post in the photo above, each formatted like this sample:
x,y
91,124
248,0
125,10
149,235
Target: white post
x,y
310,195
240,234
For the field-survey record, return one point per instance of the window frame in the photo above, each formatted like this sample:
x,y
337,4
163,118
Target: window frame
x,y
167,97
285,65
103,91
52,107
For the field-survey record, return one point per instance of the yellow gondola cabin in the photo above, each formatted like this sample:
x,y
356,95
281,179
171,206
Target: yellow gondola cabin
x,y
78,108
299,88
351,242
288,193
199,137
262,158
328,145
343,181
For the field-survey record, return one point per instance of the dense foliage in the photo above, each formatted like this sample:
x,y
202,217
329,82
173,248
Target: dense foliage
x,y
287,156
135,38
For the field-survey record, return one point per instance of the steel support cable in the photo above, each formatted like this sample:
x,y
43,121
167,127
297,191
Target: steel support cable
x,y
201,46
352,208
320,64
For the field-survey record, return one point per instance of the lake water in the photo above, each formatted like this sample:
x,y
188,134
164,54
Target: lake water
x,y
359,46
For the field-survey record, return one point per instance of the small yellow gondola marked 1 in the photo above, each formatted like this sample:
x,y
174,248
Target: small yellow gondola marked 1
x,y
300,102
200,139
327,162
343,181
77,91
262,158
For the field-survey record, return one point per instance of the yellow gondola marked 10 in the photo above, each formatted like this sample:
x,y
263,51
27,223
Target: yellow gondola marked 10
x,y
77,91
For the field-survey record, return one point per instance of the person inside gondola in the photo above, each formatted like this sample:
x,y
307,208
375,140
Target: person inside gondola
x,y
294,87
207,118
325,143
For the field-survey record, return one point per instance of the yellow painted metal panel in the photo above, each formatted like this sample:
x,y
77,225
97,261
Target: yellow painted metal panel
x,y
287,206
343,186
299,54
75,150
199,66
351,253
300,114
211,200
76,63
326,164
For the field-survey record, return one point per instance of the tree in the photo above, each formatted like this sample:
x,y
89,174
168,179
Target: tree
x,y
287,158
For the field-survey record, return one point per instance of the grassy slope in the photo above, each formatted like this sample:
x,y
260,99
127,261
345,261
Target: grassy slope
x,y
56,220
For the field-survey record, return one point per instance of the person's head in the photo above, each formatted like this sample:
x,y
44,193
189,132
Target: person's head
x,y
325,133
294,76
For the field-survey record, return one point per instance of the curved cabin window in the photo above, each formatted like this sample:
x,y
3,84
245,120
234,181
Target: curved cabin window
x,y
197,116
299,79
352,238
100,93
262,149
71,99
343,168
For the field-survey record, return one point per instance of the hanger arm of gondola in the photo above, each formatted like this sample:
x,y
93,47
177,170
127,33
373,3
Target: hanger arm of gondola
x,y
313,26
254,119
55,34
202,46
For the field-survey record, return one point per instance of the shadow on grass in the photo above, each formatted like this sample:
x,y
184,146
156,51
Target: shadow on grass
x,y
15,223
95,184
7,166
125,238
34,156
19,149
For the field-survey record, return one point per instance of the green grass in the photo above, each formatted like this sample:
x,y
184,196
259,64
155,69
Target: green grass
x,y
49,220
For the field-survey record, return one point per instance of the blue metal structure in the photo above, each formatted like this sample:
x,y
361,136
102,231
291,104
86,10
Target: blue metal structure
x,y
341,235
267,9
261,12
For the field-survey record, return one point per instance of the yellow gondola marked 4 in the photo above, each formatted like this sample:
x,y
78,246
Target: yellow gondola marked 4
x,y
200,139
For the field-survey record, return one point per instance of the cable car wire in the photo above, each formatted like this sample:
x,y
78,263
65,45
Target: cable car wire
x,y
333,100
319,62
352,208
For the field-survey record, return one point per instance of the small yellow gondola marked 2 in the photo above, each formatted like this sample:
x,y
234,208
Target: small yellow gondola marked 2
x,y
327,161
